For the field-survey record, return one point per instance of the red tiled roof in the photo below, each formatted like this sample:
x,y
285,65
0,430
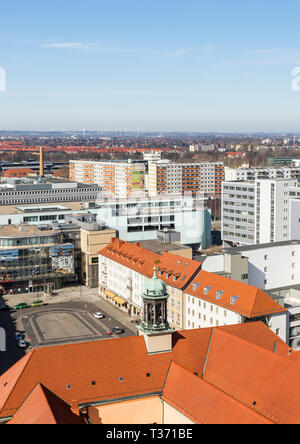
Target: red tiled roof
x,y
251,302
91,372
44,407
181,270
203,403
262,380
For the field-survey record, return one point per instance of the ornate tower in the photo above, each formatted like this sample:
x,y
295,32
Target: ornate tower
x,y
154,326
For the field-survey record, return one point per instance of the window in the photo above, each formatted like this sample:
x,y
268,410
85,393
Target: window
x,y
277,331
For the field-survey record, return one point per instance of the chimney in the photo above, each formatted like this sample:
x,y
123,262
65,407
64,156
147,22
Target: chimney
x,y
41,162
75,408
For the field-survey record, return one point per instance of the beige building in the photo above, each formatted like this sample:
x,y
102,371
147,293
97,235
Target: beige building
x,y
125,269
91,243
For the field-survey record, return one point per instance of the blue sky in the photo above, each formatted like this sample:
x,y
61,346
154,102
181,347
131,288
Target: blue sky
x,y
148,64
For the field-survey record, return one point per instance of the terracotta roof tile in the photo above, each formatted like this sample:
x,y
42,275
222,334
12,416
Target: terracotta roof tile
x,y
245,299
260,379
203,403
142,260
121,368
44,407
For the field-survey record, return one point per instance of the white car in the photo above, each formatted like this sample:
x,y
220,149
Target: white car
x,y
22,343
99,315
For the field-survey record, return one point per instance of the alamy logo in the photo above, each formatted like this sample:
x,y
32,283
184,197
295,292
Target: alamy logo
x,y
296,81
2,340
2,80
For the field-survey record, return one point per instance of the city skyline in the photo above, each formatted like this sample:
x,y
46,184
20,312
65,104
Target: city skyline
x,y
147,66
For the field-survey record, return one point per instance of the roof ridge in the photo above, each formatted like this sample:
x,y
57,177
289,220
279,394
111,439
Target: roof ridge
x,y
223,330
26,358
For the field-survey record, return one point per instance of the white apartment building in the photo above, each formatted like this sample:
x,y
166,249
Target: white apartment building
x,y
125,268
181,178
116,179
245,174
212,300
138,219
256,212
152,156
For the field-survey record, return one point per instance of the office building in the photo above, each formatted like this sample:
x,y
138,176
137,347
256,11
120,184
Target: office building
x,y
50,190
256,212
141,219
246,174
34,259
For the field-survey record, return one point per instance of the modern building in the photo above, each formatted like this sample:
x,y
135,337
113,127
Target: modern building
x,y
125,269
245,174
116,179
181,178
138,219
152,156
256,212
34,259
41,190
213,300
34,214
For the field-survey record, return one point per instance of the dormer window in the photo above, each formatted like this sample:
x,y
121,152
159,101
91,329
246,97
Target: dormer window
x,y
207,290
219,294
234,299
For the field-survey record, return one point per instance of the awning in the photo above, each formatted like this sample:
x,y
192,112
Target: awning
x,y
110,294
120,300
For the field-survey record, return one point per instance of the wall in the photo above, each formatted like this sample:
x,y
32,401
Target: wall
x,y
173,416
137,411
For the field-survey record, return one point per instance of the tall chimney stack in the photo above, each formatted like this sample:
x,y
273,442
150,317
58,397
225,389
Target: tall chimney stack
x,y
41,162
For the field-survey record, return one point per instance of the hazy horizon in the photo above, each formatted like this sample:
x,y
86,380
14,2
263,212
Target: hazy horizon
x,y
172,66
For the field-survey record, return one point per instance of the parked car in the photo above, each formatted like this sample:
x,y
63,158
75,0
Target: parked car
x,y
38,304
117,330
19,335
21,306
99,315
22,343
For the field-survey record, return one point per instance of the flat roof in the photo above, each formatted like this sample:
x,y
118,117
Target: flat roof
x,y
35,208
24,231
159,247
234,250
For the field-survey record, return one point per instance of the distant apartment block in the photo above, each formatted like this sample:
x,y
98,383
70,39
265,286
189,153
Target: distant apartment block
x,y
256,212
284,172
116,179
33,191
181,178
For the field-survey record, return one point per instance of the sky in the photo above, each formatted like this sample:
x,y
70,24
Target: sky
x,y
149,65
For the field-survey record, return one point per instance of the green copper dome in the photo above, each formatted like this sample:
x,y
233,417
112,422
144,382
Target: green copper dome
x,y
155,287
